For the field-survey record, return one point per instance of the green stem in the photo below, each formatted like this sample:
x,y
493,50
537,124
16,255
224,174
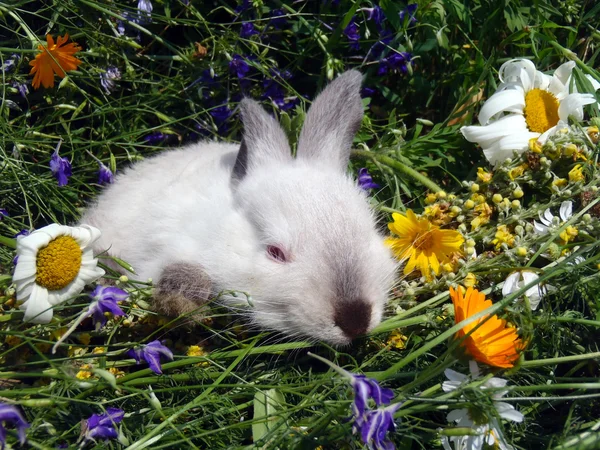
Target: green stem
x,y
573,57
559,360
401,167
392,325
9,242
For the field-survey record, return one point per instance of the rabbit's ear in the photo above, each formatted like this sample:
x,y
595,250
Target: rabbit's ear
x,y
264,141
332,121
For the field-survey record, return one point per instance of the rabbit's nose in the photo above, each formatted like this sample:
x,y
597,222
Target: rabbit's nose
x,y
353,317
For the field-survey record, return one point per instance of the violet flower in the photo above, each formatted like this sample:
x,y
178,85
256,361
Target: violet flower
x,y
352,32
395,62
367,91
375,425
243,6
365,180
103,426
239,66
21,87
11,414
108,78
60,167
248,30
105,300
9,63
409,11
155,138
364,389
3,213
220,114
105,175
278,19
22,233
144,9
376,15
151,353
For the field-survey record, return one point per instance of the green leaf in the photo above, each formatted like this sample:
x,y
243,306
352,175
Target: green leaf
x,y
266,406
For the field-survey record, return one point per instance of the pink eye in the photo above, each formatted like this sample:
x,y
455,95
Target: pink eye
x,y
276,253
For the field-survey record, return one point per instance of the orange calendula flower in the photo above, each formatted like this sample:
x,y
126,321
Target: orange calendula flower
x,y
55,58
424,245
493,342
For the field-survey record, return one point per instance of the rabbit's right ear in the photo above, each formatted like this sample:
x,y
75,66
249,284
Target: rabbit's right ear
x,y
264,141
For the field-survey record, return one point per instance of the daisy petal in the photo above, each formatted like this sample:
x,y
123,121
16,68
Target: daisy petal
x,y
511,100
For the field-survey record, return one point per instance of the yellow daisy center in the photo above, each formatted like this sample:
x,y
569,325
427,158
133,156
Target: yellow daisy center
x,y
541,110
425,240
58,263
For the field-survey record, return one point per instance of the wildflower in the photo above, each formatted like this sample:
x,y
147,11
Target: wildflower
x,y
365,180
483,175
376,15
528,104
576,174
55,58
517,280
220,114
367,92
105,175
195,350
3,213
409,11
430,198
470,280
21,88
518,193
84,373
395,62
425,245
397,340
151,353
108,78
503,236
55,263
516,172
497,198
352,32
248,30
278,19
492,342
484,423
9,63
547,219
559,182
375,425
105,300
103,426
246,4
11,414
155,138
116,372
144,9
60,167
534,145
568,234
593,133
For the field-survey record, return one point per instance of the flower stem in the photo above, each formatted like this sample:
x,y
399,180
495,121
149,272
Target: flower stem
x,y
9,242
559,360
401,167
79,319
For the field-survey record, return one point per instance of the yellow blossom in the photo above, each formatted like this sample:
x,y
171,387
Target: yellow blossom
x,y
448,267
84,338
559,182
470,280
503,236
483,212
535,146
497,198
116,372
521,251
84,373
576,174
195,350
99,350
569,234
516,172
593,133
570,149
57,333
397,340
431,198
474,187
483,175
469,204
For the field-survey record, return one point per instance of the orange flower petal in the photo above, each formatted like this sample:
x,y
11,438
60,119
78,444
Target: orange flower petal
x,y
54,59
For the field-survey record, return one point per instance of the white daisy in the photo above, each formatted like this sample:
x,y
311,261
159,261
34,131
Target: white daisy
x,y
528,104
54,264
547,218
520,278
485,425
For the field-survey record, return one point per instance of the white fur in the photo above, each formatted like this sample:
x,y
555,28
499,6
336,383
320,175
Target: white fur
x,y
182,206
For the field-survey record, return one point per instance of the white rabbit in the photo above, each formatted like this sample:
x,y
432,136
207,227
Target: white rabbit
x,y
297,234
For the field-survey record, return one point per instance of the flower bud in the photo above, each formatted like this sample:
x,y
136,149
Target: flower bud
x,y
497,198
469,204
518,193
470,251
521,251
474,187
441,194
515,204
430,199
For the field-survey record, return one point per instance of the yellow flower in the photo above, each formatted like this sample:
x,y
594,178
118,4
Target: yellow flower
x,y
12,341
423,244
503,236
483,211
593,133
98,350
116,372
483,175
470,280
397,340
568,234
53,59
492,342
576,174
84,373
431,198
84,338
516,172
195,350
535,146
559,182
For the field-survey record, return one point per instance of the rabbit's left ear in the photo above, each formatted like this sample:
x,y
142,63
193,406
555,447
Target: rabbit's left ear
x,y
332,121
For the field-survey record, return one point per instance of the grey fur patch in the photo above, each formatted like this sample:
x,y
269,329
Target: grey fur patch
x,y
332,121
241,162
182,289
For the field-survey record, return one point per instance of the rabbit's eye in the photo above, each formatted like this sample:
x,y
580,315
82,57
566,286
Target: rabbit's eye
x,y
276,253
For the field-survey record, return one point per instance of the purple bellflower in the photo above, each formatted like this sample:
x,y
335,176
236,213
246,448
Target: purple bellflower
x,y
352,32
105,175
144,11
155,138
246,4
105,300
220,115
375,425
60,167
365,180
103,426
376,15
21,87
108,78
151,353
248,30
11,414
239,66
409,12
395,62
364,389
3,213
9,63
278,19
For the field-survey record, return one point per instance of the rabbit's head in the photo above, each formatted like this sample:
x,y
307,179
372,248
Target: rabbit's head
x,y
321,269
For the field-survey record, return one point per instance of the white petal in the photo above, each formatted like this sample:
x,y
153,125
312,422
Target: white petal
x,y
474,368
539,228
510,100
457,415
518,71
446,445
511,284
496,382
453,375
529,277
487,134
547,218
566,210
36,240
24,289
572,106
594,82
87,235
504,147
37,308
508,412
563,72
26,268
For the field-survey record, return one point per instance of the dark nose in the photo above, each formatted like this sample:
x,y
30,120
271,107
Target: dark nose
x,y
353,317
